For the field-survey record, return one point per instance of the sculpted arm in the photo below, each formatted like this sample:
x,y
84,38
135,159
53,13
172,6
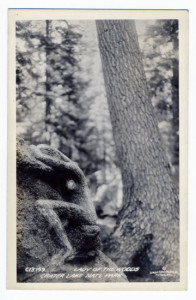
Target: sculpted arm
x,y
71,216
57,212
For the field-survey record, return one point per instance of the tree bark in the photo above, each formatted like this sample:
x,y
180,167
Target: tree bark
x,y
147,234
175,99
48,99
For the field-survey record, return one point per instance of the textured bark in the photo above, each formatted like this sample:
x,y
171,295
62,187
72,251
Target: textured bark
x,y
49,182
147,234
48,99
175,100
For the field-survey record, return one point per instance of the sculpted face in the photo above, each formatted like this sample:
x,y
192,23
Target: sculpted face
x,y
55,217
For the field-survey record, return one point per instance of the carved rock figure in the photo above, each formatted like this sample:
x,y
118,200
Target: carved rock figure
x,y
56,220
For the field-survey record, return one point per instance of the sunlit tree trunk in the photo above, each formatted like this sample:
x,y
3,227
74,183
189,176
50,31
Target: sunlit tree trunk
x,y
147,233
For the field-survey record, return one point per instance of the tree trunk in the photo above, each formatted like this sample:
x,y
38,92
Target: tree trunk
x,y
147,234
175,100
48,99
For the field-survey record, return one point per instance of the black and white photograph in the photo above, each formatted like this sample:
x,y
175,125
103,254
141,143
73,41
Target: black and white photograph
x,y
97,149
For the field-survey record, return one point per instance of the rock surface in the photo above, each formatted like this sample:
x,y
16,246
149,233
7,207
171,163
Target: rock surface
x,y
45,173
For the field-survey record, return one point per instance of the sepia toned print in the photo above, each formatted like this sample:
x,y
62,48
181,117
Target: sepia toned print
x,y
97,151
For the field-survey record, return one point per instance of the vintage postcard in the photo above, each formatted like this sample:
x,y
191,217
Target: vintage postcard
x,y
97,149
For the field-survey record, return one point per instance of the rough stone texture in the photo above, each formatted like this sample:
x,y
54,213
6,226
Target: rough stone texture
x,y
147,232
78,270
54,215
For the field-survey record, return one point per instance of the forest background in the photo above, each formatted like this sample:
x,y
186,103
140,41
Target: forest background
x,y
61,99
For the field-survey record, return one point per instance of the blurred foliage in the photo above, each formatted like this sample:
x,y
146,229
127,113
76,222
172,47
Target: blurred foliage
x,y
60,93
159,45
